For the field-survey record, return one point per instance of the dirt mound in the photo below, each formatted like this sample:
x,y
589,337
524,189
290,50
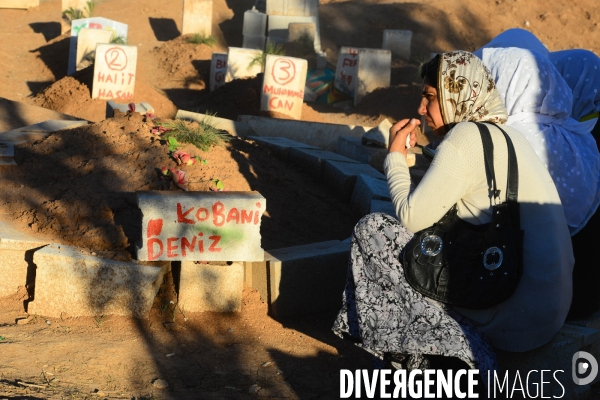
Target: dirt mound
x,y
78,187
72,95
185,62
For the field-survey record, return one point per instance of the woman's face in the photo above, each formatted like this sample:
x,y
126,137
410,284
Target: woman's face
x,y
430,108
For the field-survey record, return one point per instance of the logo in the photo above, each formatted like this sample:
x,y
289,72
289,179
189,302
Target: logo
x,y
584,367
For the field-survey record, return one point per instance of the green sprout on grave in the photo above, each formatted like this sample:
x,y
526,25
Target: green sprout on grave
x,y
118,39
201,38
74,13
203,134
271,48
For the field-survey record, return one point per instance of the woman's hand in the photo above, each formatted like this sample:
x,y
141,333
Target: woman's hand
x,y
399,132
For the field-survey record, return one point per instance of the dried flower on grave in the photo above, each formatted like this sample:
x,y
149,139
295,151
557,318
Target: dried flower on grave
x,y
149,115
159,130
183,158
165,171
178,177
131,107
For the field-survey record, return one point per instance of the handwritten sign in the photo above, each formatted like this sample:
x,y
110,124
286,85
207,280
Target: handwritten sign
x,y
283,85
218,70
86,45
114,72
197,17
201,226
118,30
346,72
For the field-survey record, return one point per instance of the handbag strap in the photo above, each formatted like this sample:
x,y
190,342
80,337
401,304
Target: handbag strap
x,y
512,184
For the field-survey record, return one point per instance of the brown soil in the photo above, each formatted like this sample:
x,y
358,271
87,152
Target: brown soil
x,y
77,187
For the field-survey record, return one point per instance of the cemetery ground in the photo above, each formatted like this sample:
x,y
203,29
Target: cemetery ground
x,y
89,202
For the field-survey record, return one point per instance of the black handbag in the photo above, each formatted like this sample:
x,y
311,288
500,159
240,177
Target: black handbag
x,y
466,265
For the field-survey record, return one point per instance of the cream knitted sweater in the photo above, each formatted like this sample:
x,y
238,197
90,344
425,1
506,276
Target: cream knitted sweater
x,y
538,308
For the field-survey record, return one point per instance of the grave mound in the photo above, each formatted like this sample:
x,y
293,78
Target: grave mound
x,y
77,187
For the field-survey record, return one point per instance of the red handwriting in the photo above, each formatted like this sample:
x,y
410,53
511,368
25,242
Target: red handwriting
x,y
94,25
221,64
118,95
268,89
114,78
187,246
217,214
349,63
116,58
276,103
346,78
283,71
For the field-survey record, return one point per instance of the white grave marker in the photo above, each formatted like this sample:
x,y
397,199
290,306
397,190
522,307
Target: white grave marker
x,y
86,44
346,72
283,85
197,17
398,42
201,226
374,71
118,29
239,62
114,72
218,70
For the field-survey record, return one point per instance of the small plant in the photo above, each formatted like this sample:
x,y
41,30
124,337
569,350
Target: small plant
x,y
74,13
218,185
203,136
201,38
271,48
99,319
118,39
173,143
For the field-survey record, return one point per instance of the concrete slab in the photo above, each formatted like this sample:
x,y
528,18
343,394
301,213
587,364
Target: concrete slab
x,y
313,161
86,45
20,4
280,146
114,72
38,131
283,85
117,28
234,128
216,288
342,176
141,108
554,357
353,148
374,71
278,27
255,23
367,189
398,42
7,154
303,279
218,69
383,206
254,42
15,115
197,17
317,134
200,226
293,7
71,281
16,258
378,136
239,63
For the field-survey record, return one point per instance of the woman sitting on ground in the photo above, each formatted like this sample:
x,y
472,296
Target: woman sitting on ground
x,y
381,311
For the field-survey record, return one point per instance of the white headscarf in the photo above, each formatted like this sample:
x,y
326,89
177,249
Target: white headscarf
x,y
581,70
539,103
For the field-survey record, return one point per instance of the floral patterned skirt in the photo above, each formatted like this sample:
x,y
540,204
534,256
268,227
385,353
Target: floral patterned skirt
x,y
383,314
